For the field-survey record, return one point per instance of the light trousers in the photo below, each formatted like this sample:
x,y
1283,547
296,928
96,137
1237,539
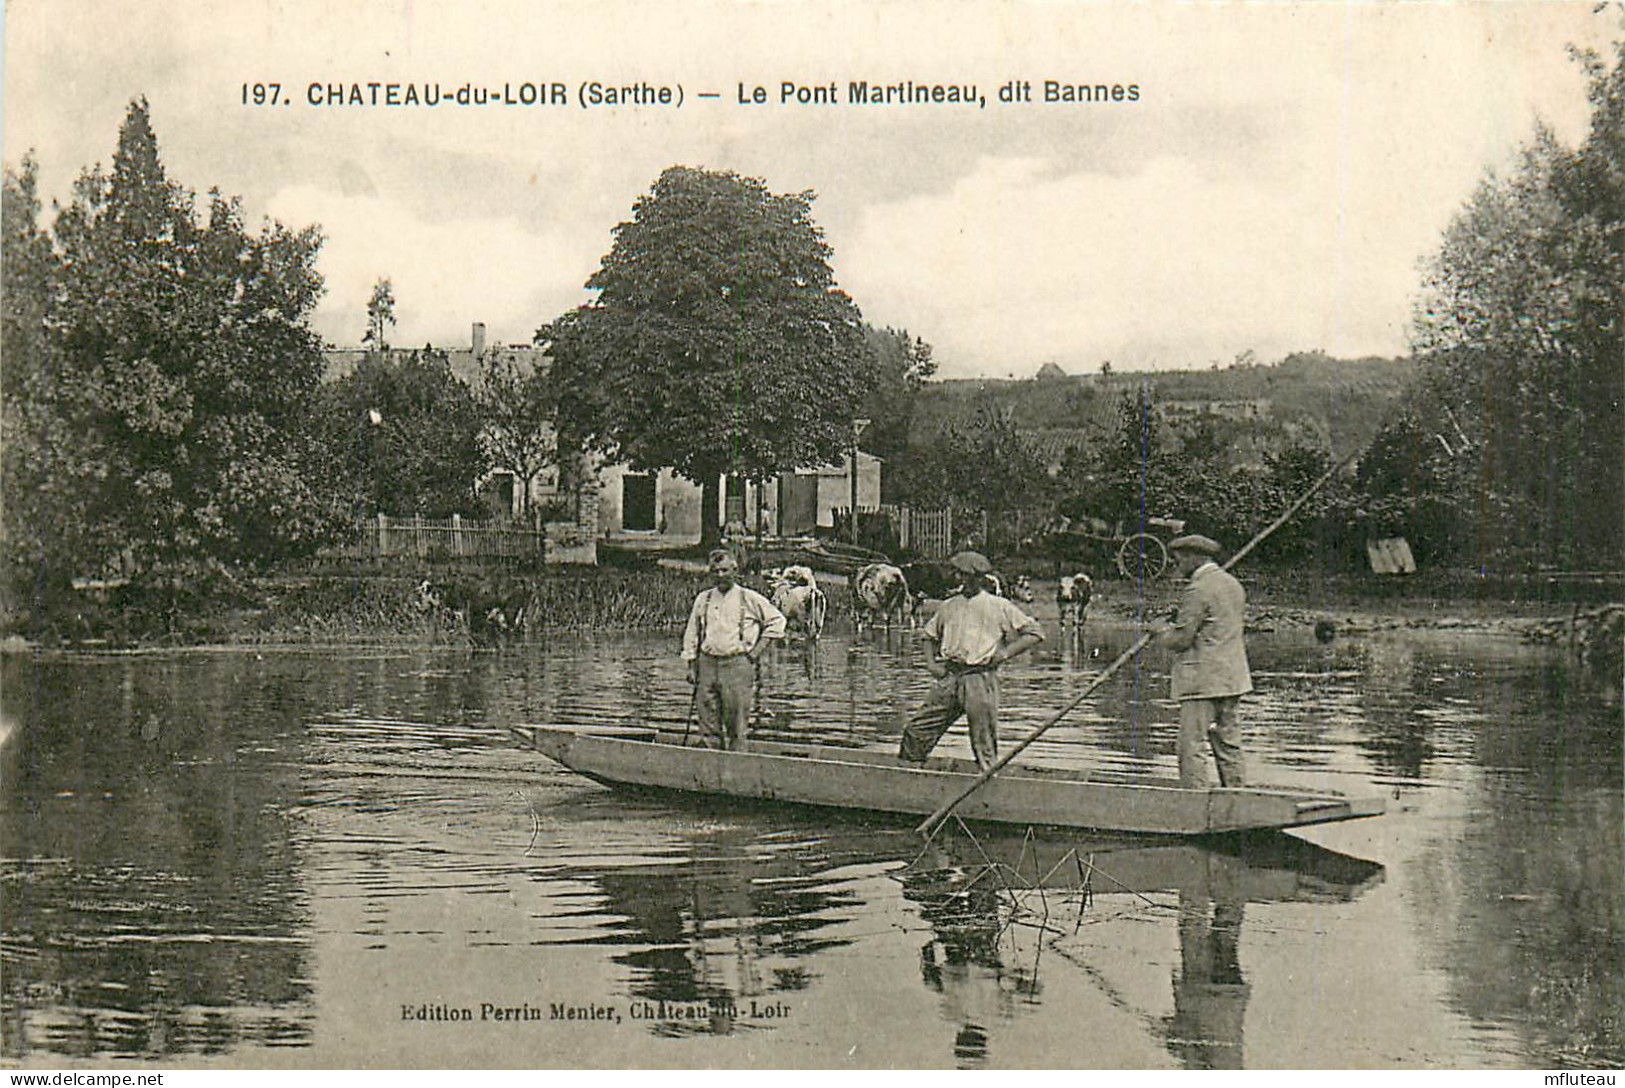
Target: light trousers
x,y
1214,724
973,694
724,690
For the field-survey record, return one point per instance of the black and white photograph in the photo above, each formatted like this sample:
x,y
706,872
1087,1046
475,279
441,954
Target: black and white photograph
x,y
734,534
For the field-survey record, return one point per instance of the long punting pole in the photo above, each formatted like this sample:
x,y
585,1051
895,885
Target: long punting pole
x,y
927,828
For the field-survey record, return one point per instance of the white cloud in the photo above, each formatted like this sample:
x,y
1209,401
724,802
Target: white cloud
x,y
446,274
1287,166
1020,267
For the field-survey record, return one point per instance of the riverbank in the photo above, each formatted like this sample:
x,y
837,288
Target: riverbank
x,y
435,607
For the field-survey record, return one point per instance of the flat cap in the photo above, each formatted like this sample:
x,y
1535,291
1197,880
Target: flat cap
x,y
971,563
1195,542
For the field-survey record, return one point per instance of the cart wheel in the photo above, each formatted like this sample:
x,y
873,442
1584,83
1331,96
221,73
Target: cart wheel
x,y
1142,557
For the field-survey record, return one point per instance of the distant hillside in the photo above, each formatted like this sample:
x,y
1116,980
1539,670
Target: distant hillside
x,y
1303,397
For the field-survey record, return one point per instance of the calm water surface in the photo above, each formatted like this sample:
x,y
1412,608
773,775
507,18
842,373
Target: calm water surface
x,y
320,858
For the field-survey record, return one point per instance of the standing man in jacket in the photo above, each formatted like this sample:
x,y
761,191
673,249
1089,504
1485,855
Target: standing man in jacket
x,y
728,630
1210,663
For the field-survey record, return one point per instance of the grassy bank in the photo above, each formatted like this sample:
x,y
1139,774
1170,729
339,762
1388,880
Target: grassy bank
x,y
367,605
438,608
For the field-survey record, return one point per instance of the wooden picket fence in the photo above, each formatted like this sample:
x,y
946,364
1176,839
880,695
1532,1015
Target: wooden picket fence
x,y
444,538
940,532
925,532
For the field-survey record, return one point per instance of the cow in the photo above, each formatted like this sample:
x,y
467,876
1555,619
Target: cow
x,y
1072,597
933,580
879,590
937,581
494,615
1019,588
795,592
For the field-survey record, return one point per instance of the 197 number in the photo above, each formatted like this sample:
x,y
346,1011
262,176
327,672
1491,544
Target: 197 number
x,y
262,94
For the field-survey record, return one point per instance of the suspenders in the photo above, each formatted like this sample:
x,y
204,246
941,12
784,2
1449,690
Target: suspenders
x,y
705,614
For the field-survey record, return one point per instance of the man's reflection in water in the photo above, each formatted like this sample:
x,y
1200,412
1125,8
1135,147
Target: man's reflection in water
x,y
969,959
726,927
1210,994
964,961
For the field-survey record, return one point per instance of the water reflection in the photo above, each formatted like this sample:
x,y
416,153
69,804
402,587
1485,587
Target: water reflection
x,y
982,891
738,917
153,903
225,853
724,928
1210,995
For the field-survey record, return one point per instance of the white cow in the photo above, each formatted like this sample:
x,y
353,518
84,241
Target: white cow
x,y
796,594
879,591
1019,588
1072,596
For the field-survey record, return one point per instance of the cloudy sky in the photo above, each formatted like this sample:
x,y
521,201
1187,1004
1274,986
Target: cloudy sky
x,y
1275,186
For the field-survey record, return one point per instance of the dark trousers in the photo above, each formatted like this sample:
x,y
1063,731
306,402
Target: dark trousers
x,y
973,693
724,689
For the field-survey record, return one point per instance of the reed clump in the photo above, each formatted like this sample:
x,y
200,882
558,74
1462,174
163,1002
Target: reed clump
x,y
351,609
614,599
460,606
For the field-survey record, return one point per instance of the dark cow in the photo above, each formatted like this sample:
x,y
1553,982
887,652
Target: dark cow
x,y
1072,597
933,580
494,615
937,580
879,591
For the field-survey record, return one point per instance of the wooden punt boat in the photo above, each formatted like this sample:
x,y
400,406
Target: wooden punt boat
x,y
870,781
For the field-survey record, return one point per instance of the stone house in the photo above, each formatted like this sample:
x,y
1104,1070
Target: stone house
x,y
664,505
660,506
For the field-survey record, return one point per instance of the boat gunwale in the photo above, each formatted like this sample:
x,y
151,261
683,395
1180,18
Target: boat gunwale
x,y
830,755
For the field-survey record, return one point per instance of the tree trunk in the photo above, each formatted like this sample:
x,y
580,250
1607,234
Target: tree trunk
x,y
710,520
761,510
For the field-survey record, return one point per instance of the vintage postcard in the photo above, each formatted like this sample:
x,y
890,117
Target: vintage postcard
x,y
816,535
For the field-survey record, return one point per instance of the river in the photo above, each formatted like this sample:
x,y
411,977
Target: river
x,y
339,857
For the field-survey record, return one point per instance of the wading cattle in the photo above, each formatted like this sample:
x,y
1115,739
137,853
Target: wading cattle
x,y
933,581
1019,588
937,581
796,594
494,615
1072,597
879,591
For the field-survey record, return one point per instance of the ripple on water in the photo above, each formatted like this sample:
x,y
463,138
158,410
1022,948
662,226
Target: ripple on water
x,y
302,829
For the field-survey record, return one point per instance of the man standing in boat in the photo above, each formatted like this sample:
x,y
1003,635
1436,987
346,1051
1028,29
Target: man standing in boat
x,y
728,630
966,641
1210,663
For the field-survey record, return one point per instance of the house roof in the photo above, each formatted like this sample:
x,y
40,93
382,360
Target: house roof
x,y
464,363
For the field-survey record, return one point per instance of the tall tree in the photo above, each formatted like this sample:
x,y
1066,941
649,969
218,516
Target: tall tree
x,y
1517,425
380,315
902,364
517,409
1131,463
49,471
404,435
718,341
977,464
998,472
170,381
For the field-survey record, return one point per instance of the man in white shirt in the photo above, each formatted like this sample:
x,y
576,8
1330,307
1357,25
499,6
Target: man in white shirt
x,y
966,641
728,629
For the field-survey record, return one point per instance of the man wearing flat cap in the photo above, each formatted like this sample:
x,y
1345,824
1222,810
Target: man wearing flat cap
x,y
966,641
1210,663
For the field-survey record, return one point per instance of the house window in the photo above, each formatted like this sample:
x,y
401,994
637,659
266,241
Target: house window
x,y
638,502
